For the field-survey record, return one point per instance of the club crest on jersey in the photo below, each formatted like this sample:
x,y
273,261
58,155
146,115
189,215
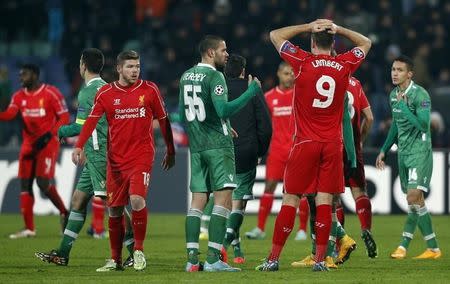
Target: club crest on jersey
x,y
24,103
116,102
289,47
41,103
358,53
219,90
141,100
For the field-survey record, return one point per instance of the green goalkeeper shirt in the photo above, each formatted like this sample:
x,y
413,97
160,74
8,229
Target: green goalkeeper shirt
x,y
410,121
86,97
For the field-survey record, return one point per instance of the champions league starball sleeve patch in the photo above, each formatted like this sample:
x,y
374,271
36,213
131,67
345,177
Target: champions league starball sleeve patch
x,y
218,90
358,53
288,47
425,104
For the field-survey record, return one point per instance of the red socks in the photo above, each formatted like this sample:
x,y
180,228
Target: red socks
x,y
53,195
283,227
265,206
303,213
322,229
139,224
364,211
340,214
98,213
26,207
116,234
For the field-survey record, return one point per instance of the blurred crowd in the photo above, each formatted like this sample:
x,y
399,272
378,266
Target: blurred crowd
x,y
166,33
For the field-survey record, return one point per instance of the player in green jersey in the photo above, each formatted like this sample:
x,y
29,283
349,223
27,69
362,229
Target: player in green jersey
x,y
410,130
204,106
92,179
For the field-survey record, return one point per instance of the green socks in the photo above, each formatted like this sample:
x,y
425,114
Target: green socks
x,y
410,225
73,228
217,229
192,231
426,228
233,225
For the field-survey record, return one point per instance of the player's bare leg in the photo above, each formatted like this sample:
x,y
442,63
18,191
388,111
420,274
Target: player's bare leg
x,y
283,227
265,207
26,208
364,211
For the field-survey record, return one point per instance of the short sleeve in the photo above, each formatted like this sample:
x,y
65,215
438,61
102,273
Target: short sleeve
x,y
58,101
364,103
352,58
15,101
158,108
293,55
218,88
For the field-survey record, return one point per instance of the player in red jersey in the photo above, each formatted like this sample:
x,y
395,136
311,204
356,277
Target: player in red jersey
x,y
362,119
279,101
315,162
43,111
130,105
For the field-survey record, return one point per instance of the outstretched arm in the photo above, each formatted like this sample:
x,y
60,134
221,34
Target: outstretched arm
x,y
9,113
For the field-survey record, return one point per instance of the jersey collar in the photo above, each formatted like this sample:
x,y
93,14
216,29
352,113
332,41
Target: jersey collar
x,y
92,80
408,88
206,65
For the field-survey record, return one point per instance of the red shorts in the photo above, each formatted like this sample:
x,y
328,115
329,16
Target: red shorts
x,y
121,184
358,179
314,167
41,164
276,164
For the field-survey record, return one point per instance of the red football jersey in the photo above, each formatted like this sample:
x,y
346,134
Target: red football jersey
x,y
130,112
280,108
40,110
357,101
320,85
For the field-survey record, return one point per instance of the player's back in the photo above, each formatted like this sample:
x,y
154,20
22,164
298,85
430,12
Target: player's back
x,y
319,98
279,103
86,99
206,130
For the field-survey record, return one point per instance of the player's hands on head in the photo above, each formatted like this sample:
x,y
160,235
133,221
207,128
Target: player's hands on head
x,y
252,79
168,161
78,157
42,141
320,25
380,161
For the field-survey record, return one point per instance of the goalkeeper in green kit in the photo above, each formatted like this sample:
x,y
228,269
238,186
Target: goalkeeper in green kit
x,y
92,179
410,129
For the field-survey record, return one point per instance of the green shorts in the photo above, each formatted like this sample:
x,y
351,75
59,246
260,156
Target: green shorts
x,y
212,170
93,178
415,171
244,190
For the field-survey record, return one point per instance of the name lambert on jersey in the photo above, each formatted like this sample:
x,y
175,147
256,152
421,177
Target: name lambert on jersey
x,y
326,63
129,113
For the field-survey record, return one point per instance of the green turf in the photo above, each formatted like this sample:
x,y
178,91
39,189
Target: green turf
x,y
165,251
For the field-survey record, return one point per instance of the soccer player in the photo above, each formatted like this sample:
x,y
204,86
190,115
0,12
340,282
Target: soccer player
x,y
315,162
279,101
253,126
93,177
410,129
204,106
43,111
130,105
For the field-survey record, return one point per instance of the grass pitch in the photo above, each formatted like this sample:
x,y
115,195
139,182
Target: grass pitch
x,y
165,251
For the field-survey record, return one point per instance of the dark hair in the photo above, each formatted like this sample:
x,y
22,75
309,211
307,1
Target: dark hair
x,y
209,42
93,59
323,39
32,67
127,55
407,60
234,66
282,65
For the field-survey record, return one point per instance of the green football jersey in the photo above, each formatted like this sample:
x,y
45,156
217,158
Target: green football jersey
x,y
86,98
201,87
411,140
